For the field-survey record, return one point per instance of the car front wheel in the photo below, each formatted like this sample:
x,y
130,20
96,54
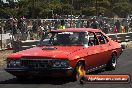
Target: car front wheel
x,y
79,73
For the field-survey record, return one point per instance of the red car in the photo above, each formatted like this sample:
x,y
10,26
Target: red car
x,y
66,52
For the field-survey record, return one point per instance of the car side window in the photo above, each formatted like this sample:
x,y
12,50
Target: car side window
x,y
92,39
102,39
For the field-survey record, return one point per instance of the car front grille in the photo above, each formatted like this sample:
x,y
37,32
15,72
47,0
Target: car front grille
x,y
36,63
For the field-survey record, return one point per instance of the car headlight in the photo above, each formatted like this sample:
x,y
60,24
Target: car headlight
x,y
14,63
61,63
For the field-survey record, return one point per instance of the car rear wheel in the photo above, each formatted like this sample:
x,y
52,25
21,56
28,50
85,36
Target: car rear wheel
x,y
112,63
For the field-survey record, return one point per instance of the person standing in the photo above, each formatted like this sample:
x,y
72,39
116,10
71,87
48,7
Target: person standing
x,y
22,26
62,25
40,31
15,30
117,24
94,24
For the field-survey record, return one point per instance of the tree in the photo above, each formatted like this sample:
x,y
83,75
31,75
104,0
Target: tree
x,y
47,8
122,9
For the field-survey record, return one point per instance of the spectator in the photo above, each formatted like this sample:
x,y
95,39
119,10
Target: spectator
x,y
88,24
105,27
62,25
35,26
14,30
94,24
125,24
115,29
56,25
122,29
117,24
8,25
40,31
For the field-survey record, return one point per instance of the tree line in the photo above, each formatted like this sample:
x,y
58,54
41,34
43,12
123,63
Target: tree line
x,y
48,8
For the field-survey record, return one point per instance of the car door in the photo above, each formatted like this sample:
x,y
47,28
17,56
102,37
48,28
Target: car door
x,y
93,58
104,48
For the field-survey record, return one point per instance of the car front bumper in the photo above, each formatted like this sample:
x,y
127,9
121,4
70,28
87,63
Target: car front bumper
x,y
54,72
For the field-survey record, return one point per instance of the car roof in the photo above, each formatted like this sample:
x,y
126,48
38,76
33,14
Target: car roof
x,y
77,30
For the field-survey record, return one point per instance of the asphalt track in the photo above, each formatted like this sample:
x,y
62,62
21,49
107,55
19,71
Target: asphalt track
x,y
124,67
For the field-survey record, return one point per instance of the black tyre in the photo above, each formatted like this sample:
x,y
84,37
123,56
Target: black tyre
x,y
79,73
112,63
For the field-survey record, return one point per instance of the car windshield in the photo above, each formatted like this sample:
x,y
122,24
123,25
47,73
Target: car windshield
x,y
63,38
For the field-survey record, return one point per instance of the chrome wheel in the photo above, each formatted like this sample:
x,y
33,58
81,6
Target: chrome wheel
x,y
111,65
114,61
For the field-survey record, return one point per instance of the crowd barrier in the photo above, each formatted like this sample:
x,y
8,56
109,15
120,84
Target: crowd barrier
x,y
121,37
